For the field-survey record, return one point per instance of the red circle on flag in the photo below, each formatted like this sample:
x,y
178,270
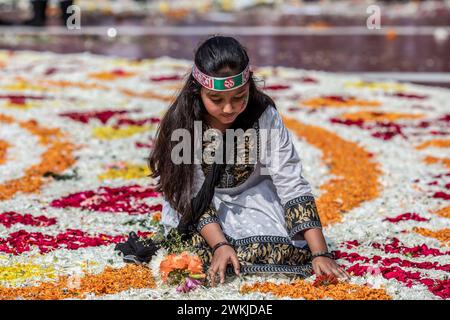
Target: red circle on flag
x,y
229,83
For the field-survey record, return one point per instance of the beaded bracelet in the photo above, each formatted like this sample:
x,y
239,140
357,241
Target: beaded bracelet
x,y
322,254
220,244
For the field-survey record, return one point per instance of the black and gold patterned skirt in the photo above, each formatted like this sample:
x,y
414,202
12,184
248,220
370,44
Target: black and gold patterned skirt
x,y
260,254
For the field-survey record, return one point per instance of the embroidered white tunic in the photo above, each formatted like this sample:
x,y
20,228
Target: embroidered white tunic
x,y
263,207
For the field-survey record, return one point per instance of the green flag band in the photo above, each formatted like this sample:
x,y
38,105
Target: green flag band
x,y
221,84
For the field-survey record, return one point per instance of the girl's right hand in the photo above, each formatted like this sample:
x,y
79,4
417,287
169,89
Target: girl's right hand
x,y
223,256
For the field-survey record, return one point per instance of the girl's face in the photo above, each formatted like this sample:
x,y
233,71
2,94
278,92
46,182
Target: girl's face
x,y
224,107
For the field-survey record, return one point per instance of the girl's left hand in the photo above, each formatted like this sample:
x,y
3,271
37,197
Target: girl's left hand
x,y
325,265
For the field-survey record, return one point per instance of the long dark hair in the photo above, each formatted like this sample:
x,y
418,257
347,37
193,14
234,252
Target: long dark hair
x,y
218,56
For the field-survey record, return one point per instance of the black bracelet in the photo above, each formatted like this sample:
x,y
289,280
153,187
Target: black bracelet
x,y
220,244
322,254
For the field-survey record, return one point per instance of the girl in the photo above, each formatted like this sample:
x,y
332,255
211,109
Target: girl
x,y
257,216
